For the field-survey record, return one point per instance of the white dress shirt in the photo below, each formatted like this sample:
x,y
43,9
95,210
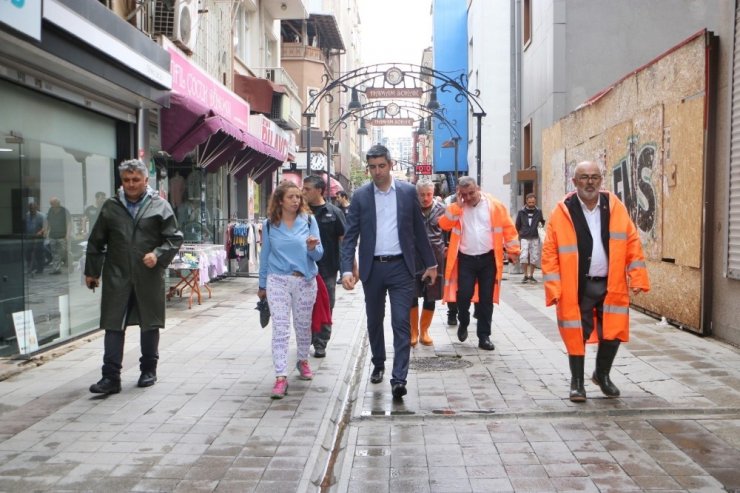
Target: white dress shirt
x,y
599,262
476,228
386,217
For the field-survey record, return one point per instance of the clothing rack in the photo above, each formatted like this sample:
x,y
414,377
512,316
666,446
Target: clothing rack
x,y
242,248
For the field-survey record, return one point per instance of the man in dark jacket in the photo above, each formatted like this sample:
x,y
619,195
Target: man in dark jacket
x,y
133,241
331,222
527,221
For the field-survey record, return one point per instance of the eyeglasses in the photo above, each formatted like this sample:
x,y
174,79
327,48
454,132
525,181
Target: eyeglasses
x,y
589,177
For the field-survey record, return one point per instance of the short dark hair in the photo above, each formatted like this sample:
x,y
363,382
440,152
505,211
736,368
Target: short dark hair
x,y
315,181
342,194
530,196
378,150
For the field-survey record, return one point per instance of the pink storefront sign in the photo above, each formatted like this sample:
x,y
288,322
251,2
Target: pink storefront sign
x,y
190,80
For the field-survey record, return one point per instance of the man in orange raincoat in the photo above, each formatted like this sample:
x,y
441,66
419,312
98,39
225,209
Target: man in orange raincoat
x,y
591,257
480,230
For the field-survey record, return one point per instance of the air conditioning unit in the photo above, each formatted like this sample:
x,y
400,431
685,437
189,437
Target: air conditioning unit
x,y
178,20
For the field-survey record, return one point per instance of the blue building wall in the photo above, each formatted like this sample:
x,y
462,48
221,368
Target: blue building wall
x,y
450,50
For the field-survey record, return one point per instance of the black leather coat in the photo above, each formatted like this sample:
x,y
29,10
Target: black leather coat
x,y
116,246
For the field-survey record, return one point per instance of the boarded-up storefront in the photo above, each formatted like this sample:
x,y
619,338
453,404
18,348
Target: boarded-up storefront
x,y
648,132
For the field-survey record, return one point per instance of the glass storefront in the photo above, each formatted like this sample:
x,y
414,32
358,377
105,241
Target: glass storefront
x,y
51,153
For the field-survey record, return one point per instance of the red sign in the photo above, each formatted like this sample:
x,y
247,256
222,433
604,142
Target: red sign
x,y
393,92
423,169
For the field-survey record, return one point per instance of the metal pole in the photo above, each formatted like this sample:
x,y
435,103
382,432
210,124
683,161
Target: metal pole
x,y
308,143
479,118
327,137
456,140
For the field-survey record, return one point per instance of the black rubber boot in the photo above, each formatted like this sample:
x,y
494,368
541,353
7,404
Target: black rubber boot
x,y
577,391
604,359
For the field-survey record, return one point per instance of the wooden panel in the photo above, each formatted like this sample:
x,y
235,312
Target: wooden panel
x,y
683,185
553,170
656,110
675,293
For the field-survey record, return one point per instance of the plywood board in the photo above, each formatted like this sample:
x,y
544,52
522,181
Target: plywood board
x,y
553,174
675,293
683,185
590,150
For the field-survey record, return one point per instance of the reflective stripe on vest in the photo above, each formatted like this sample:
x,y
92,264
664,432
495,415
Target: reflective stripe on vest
x,y
497,229
569,324
616,309
551,277
456,231
567,248
636,265
616,235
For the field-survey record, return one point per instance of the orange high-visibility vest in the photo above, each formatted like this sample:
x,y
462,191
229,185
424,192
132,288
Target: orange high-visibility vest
x,y
560,273
503,236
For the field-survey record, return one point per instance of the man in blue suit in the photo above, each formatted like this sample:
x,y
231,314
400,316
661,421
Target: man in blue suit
x,y
386,217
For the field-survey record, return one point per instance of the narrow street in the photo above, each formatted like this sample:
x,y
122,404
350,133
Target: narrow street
x,y
472,421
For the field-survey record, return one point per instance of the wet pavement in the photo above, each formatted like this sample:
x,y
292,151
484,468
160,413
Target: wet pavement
x,y
472,421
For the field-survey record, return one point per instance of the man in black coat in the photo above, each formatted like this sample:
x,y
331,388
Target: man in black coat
x,y
133,241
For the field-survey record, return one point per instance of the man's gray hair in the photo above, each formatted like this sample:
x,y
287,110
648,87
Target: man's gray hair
x,y
467,181
135,165
424,183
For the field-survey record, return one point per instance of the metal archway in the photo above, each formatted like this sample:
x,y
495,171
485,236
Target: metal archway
x,y
395,78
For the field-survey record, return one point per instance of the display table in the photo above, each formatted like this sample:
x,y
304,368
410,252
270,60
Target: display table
x,y
196,265
189,275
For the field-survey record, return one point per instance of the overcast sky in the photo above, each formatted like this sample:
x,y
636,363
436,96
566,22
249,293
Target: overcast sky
x,y
395,30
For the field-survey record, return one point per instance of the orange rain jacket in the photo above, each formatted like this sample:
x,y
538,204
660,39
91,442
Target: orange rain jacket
x,y
561,276
503,236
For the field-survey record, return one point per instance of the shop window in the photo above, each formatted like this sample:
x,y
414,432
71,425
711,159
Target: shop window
x,y
64,154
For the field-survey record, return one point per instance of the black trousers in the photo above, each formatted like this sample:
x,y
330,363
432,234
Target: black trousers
x,y
472,268
113,356
591,305
114,341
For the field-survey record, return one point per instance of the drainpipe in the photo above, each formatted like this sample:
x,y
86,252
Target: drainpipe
x,y
516,101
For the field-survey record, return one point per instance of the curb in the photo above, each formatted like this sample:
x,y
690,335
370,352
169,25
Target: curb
x,y
331,435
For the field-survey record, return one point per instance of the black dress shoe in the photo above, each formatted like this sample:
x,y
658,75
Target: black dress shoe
x,y
147,379
462,332
486,344
451,320
106,386
398,390
319,352
377,375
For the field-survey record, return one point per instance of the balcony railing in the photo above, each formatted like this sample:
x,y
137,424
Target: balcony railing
x,y
278,75
298,50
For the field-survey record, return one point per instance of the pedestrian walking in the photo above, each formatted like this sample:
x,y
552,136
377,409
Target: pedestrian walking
x,y
528,220
131,244
331,222
480,231
591,258
59,230
287,278
385,216
431,209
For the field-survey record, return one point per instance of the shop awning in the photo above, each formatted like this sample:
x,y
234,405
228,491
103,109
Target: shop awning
x,y
257,92
190,127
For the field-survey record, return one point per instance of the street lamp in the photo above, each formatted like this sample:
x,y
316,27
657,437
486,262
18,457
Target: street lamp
x,y
453,143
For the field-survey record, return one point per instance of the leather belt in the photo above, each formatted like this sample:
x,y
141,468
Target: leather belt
x,y
487,254
596,278
387,258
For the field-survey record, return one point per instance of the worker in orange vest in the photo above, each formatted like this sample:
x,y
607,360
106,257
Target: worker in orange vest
x,y
480,230
591,257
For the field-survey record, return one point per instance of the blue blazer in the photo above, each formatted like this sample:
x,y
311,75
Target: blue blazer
x,y
362,225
